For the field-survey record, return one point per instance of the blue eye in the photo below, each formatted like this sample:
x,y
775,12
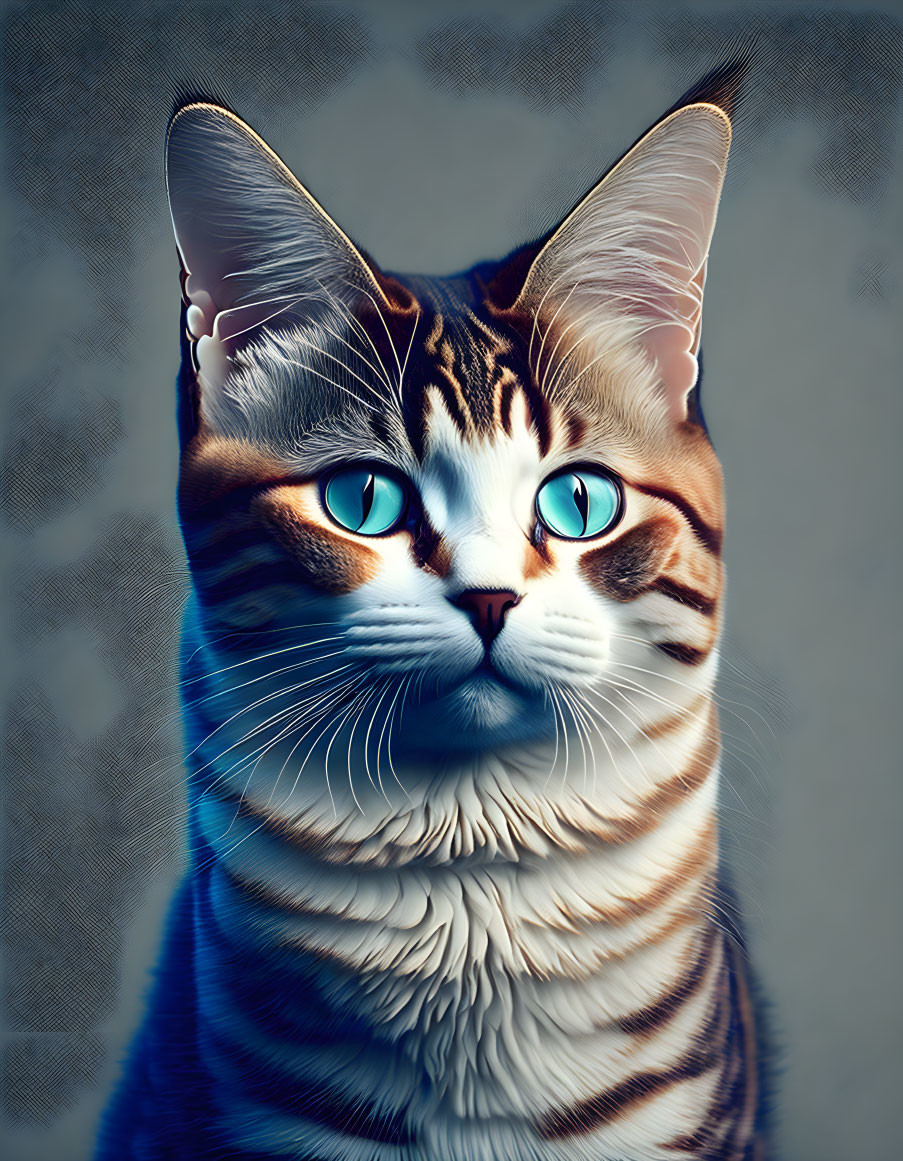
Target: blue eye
x,y
578,504
364,501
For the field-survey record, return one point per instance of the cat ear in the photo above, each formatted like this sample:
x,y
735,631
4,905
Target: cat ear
x,y
254,244
634,250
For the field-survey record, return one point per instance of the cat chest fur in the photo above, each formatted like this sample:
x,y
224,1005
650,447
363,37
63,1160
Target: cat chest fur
x,y
478,994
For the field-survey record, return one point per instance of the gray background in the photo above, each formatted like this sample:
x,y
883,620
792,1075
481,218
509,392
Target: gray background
x,y
438,134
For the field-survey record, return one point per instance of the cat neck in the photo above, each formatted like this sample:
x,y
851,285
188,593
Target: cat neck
x,y
520,804
499,908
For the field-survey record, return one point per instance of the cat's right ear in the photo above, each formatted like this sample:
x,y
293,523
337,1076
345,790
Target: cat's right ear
x,y
253,243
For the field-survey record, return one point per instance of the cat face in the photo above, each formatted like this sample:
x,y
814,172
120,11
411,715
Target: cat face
x,y
472,500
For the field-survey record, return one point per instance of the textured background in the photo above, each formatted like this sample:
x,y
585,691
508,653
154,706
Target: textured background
x,y
438,134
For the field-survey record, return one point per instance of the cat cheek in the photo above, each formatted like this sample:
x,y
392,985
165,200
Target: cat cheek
x,y
324,559
623,569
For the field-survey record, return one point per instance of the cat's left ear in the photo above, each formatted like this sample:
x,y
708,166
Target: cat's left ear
x,y
630,259
255,246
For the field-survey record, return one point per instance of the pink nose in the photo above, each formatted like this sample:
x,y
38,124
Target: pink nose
x,y
487,609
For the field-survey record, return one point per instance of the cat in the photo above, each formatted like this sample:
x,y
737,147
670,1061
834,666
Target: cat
x,y
447,672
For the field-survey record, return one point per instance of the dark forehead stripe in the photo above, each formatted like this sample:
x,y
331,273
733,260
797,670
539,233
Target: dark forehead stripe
x,y
576,427
469,359
450,380
506,388
475,361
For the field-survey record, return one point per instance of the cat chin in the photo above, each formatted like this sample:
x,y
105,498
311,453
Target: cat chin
x,y
479,713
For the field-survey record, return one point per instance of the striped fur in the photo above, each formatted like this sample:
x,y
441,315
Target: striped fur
x,y
438,910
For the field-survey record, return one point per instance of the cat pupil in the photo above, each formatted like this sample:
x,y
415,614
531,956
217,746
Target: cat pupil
x,y
581,499
367,499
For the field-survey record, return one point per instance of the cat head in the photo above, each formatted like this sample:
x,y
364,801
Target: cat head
x,y
484,499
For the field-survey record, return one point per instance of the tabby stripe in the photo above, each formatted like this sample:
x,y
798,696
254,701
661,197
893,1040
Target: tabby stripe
x,y
685,654
681,917
684,595
597,1111
265,1007
265,1083
430,550
649,811
540,414
251,990
576,429
232,564
224,502
278,900
307,944
652,1017
452,401
674,721
315,952
225,545
251,581
690,865
647,814
307,839
746,1021
506,398
415,412
734,1106
704,532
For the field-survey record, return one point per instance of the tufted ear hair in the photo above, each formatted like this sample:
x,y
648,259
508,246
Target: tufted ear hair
x,y
254,245
634,250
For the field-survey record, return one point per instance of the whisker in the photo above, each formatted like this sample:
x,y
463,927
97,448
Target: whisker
x,y
261,701
344,366
549,361
359,355
556,710
190,703
386,688
354,682
598,713
721,698
574,711
735,742
390,717
407,355
217,855
363,331
326,379
362,701
536,313
294,714
379,312
260,322
687,685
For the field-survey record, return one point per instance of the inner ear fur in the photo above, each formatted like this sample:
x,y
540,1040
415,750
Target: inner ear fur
x,y
630,259
255,247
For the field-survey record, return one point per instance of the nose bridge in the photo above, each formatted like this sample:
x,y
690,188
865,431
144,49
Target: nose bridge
x,y
475,496
484,558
